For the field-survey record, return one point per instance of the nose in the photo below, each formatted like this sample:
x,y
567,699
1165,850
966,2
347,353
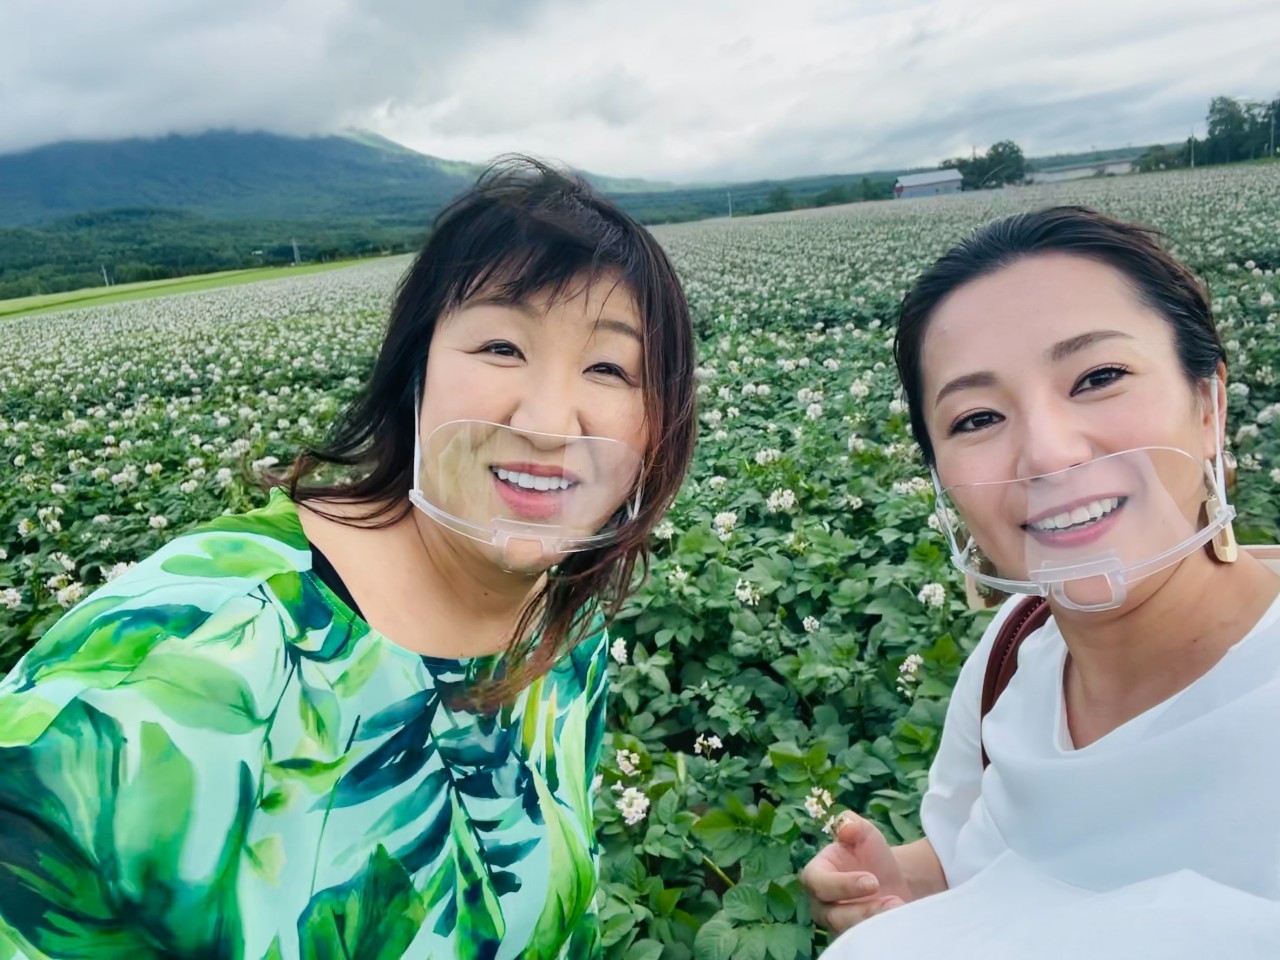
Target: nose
x,y
547,405
1050,440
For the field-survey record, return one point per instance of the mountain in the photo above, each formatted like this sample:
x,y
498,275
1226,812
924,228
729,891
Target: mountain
x,y
242,176
231,176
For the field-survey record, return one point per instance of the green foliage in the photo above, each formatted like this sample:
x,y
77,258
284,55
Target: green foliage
x,y
778,200
1236,131
1002,163
146,244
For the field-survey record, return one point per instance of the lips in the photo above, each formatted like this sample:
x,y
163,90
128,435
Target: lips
x,y
1080,513
1077,524
533,491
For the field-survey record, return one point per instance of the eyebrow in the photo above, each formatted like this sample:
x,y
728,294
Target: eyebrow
x,y
1065,348
1058,352
523,307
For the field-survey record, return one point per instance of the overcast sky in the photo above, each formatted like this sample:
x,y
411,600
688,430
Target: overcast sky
x,y
665,89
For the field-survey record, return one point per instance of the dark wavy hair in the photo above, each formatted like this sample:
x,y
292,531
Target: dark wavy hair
x,y
523,229
1159,281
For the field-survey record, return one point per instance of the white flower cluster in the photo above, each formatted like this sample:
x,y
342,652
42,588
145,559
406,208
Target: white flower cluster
x,y
618,650
747,592
118,570
908,673
781,500
70,595
767,456
818,802
932,595
724,523
812,624
628,762
634,806
706,745
913,487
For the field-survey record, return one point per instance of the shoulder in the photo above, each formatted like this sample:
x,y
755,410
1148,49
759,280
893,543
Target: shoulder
x,y
975,666
201,583
582,673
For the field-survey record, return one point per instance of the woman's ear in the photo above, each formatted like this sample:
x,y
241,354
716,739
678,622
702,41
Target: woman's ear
x,y
1216,403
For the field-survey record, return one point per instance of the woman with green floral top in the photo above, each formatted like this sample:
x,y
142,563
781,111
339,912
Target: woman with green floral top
x,y
364,720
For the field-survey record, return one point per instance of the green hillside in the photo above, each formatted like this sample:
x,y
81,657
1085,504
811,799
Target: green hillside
x,y
230,176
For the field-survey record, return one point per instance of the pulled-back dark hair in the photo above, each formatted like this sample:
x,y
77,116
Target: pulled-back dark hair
x,y
525,228
1160,281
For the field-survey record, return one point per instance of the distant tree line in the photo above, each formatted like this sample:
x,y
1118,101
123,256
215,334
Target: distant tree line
x,y
744,199
147,244
1235,131
781,198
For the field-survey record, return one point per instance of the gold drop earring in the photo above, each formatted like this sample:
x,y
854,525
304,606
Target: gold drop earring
x,y
1225,547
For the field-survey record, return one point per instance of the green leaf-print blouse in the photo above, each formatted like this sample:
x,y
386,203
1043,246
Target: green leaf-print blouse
x,y
213,757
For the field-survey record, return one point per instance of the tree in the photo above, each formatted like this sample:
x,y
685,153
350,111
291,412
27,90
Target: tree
x,y
1003,163
1160,157
1228,130
779,199
832,196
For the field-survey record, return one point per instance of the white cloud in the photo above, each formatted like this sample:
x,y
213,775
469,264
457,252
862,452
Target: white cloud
x,y
665,89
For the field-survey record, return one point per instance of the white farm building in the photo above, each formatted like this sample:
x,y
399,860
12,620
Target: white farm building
x,y
928,184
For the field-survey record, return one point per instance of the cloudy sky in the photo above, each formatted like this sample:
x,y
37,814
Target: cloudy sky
x,y
665,89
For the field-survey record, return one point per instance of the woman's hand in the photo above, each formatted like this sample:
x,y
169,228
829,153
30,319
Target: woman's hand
x,y
855,877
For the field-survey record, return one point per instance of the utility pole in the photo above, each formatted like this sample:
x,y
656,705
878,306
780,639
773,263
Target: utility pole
x,y
105,281
1192,142
296,259
729,194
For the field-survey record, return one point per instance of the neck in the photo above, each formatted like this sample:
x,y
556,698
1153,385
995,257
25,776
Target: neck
x,y
419,585
468,587
1163,642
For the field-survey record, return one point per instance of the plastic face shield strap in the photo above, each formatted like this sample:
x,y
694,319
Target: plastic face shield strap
x,y
533,497
1084,534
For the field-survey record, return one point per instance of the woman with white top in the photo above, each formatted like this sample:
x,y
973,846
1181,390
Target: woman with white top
x,y
1067,387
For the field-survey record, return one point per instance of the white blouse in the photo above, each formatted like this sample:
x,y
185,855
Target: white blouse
x,y
1166,828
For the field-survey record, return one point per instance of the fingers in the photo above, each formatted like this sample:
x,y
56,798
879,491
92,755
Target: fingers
x,y
840,917
828,885
852,829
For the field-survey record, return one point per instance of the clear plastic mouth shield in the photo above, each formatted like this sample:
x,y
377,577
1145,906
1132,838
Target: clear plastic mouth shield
x,y
1083,535
534,497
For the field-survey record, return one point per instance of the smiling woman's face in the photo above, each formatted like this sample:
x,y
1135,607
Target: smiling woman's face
x,y
1048,363
533,413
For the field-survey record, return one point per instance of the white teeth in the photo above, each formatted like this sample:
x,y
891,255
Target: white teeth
x,y
1077,517
527,481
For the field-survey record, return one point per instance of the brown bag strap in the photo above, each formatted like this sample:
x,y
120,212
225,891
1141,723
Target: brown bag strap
x,y
1028,617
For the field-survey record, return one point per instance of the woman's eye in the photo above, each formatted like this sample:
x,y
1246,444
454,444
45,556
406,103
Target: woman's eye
x,y
610,370
975,422
1097,379
502,348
